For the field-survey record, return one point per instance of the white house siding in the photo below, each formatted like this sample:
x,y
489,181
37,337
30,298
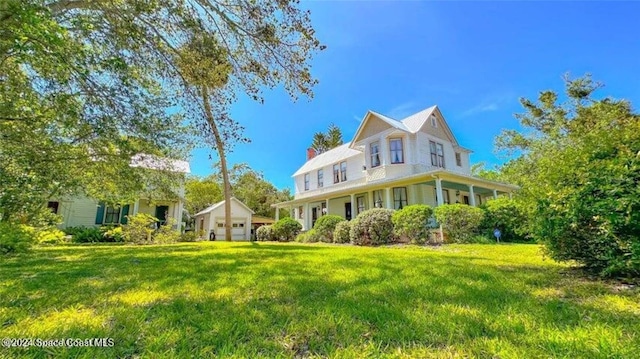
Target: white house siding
x,y
78,211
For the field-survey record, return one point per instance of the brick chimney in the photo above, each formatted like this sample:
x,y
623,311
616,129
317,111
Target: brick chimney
x,y
311,153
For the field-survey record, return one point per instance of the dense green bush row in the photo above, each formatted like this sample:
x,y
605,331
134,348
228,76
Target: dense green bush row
x,y
284,230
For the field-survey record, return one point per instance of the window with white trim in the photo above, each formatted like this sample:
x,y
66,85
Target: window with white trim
x,y
343,171
336,173
437,154
375,154
378,199
434,121
112,215
458,159
399,197
360,204
306,181
320,178
396,151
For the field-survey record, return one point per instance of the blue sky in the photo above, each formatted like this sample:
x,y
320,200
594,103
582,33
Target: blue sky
x,y
473,59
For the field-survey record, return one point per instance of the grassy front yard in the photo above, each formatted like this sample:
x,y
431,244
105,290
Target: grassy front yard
x,y
286,300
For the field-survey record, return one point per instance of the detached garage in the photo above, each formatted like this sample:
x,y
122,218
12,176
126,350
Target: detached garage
x,y
211,220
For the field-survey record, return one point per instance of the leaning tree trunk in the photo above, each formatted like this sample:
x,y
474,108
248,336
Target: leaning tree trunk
x,y
223,163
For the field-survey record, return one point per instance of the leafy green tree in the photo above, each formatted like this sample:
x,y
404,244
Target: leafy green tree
x,y
324,141
201,193
83,81
579,169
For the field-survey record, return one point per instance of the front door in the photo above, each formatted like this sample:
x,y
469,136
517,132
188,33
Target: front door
x,y
314,215
347,211
161,214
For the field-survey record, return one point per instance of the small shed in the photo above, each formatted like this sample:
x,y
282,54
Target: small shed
x,y
211,221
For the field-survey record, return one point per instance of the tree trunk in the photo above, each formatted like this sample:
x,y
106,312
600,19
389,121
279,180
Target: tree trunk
x,y
223,163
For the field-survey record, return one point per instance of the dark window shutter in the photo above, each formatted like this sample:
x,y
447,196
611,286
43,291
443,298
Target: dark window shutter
x,y
124,213
100,214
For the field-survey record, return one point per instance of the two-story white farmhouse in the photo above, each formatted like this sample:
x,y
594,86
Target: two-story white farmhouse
x,y
389,164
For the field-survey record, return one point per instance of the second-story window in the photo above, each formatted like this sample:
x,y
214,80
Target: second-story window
x,y
343,171
395,146
336,173
320,178
437,154
458,159
306,181
375,154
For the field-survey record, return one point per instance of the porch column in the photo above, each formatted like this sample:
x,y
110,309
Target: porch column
x,y
495,194
439,196
277,213
136,207
353,205
472,196
179,219
387,192
307,216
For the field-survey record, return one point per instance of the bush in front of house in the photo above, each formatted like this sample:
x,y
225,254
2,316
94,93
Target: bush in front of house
x,y
166,233
411,223
460,222
83,234
286,229
505,214
15,238
139,228
310,236
189,236
264,233
372,227
326,225
341,233
50,235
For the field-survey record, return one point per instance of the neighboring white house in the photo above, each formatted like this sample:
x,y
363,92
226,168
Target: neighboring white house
x,y
390,164
211,220
87,212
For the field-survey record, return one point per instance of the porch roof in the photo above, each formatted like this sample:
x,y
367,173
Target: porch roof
x,y
449,179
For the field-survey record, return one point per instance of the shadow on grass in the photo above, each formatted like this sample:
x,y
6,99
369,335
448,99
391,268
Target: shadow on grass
x,y
297,300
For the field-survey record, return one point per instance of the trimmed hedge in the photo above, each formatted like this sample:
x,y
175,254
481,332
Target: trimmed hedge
x,y
286,229
411,223
310,236
326,225
459,221
341,233
264,233
372,227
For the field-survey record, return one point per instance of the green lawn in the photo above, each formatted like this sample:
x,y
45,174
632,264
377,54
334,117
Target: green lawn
x,y
292,300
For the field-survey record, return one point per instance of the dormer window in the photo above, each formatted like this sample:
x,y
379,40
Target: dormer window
x,y
395,147
375,154
434,121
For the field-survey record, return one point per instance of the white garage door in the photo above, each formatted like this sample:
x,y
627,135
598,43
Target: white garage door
x,y
238,230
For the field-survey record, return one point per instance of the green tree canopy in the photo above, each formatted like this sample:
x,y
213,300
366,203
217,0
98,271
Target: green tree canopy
x,y
578,164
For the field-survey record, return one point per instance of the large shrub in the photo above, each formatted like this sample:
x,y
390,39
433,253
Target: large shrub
x,y
310,236
505,214
50,235
459,221
372,227
326,225
139,228
85,234
411,223
286,229
15,238
166,233
341,233
264,233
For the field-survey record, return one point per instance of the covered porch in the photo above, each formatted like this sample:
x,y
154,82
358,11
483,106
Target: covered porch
x,y
432,189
